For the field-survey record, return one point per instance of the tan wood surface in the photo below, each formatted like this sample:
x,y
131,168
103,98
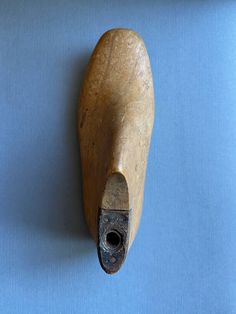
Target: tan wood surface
x,y
116,112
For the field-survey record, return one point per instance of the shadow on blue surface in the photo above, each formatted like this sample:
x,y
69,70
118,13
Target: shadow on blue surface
x,y
47,183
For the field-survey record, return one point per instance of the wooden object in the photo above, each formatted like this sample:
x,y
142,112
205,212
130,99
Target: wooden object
x,y
116,114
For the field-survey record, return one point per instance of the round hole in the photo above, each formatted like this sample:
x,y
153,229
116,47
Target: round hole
x,y
113,239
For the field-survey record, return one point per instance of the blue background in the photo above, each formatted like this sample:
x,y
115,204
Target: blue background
x,y
183,260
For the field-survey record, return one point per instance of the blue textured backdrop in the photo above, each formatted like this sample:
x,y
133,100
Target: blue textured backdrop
x,y
183,260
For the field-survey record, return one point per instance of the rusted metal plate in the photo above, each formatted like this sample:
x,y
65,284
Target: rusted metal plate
x,y
113,238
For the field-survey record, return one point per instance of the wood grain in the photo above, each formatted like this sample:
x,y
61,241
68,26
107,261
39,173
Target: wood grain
x,y
116,112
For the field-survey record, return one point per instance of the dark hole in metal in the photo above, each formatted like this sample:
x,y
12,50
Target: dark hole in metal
x,y
113,239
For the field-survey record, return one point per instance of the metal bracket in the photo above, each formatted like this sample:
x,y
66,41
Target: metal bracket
x,y
113,238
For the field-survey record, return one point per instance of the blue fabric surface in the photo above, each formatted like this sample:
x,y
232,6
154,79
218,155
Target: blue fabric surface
x,y
183,260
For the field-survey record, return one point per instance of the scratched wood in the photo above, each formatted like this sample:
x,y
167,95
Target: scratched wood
x,y
116,113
